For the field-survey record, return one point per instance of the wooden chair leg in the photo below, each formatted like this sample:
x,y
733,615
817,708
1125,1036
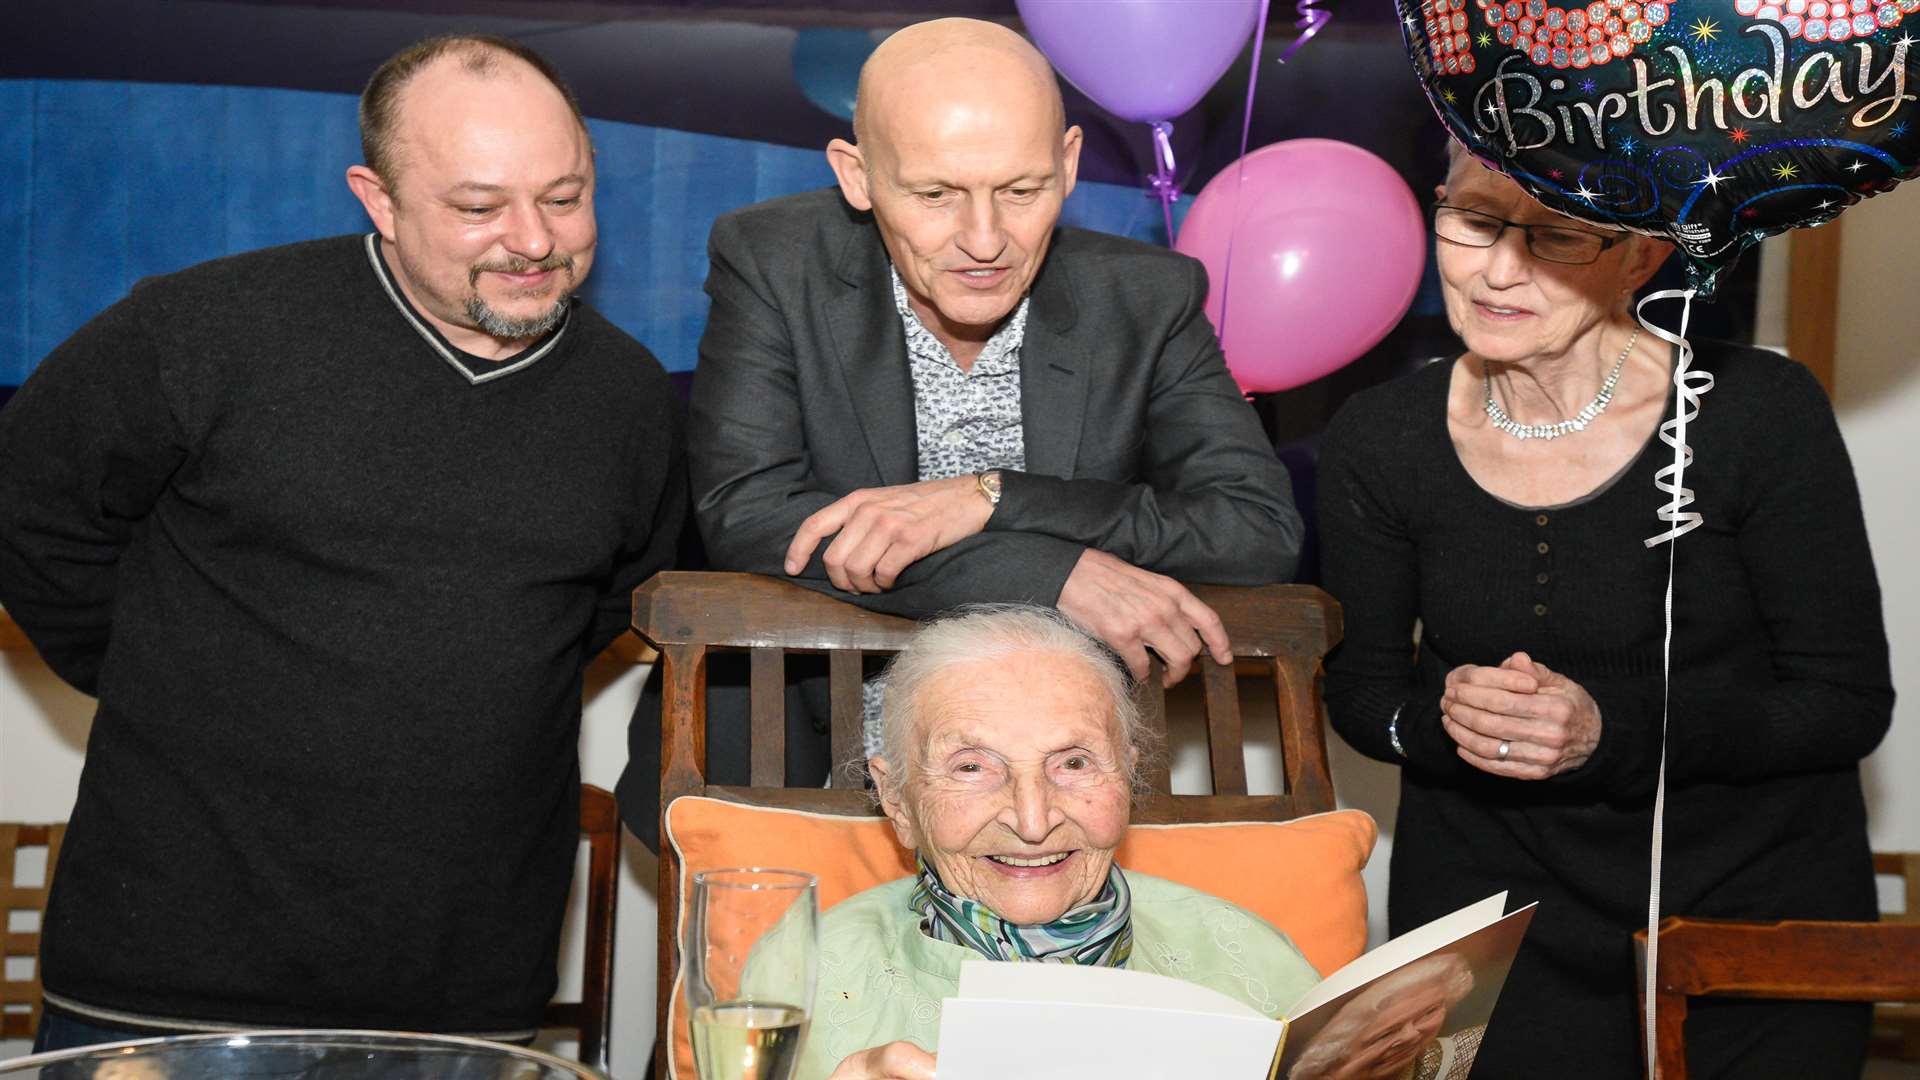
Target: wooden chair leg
x,y
683,759
1671,1011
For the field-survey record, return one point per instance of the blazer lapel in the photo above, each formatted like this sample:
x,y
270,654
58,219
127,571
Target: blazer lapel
x,y
873,358
1055,372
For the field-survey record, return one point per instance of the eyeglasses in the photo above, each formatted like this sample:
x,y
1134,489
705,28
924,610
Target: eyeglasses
x,y
1551,243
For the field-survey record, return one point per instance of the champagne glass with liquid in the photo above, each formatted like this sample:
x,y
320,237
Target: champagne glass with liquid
x,y
750,961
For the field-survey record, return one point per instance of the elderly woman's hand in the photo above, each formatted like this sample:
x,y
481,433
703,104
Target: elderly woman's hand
x,y
894,1061
1548,722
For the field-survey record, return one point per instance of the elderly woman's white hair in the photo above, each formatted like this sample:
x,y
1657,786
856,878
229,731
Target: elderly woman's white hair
x,y
1332,1045
987,632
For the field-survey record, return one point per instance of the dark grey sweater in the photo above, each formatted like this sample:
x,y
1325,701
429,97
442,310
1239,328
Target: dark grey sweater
x,y
1780,687
335,601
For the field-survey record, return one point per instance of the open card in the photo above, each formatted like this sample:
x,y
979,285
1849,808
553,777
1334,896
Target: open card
x,y
1424,997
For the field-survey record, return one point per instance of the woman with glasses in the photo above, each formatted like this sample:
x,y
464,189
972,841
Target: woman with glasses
x,y
1483,524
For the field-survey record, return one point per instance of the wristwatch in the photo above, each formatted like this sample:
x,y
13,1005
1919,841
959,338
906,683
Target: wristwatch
x,y
989,484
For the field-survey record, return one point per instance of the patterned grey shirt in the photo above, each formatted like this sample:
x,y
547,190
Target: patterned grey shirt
x,y
968,422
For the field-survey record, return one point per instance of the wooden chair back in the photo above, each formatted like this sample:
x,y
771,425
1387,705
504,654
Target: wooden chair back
x,y
1896,1026
1279,631
1795,959
592,1014
20,996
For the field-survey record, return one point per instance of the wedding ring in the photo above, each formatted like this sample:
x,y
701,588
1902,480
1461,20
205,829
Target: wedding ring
x,y
1505,747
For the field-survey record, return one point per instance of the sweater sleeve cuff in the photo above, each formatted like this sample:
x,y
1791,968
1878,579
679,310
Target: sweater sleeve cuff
x,y
1427,745
1081,510
1627,761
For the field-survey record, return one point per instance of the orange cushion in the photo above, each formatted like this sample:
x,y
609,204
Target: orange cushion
x,y
1302,876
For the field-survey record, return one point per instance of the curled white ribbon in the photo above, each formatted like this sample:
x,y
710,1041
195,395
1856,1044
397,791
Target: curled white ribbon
x,y
1689,385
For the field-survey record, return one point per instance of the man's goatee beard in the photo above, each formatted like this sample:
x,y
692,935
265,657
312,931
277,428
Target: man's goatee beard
x,y
510,329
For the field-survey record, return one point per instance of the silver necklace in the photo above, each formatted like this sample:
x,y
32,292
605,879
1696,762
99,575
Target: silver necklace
x,y
1579,420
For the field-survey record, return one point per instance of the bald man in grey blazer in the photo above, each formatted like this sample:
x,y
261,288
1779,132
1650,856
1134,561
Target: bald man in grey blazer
x,y
918,390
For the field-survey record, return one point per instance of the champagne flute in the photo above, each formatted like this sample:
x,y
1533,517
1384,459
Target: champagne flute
x,y
750,960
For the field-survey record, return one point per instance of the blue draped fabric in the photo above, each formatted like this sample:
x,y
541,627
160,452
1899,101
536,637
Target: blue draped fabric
x,y
103,183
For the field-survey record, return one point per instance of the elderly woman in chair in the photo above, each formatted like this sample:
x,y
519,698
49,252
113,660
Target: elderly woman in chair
x,y
1008,764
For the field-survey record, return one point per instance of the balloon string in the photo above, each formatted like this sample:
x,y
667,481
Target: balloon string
x,y
1163,182
1240,165
1688,386
1312,18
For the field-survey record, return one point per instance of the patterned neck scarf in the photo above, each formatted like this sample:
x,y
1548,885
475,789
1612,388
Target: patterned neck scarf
x,y
1097,933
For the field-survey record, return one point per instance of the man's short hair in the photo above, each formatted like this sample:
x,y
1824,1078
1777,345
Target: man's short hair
x,y
478,53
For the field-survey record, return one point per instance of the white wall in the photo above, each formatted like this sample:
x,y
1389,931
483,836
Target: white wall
x,y
1877,395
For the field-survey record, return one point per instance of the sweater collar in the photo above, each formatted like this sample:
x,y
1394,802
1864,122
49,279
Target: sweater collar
x,y
474,369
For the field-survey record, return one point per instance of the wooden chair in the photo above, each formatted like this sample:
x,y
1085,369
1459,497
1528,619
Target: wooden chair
x,y
599,826
1896,1026
20,997
1800,960
1281,631
592,1014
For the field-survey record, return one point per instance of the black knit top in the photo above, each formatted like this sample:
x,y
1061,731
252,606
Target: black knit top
x,y
1780,681
335,599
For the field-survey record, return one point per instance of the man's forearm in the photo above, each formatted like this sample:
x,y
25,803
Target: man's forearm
x,y
1225,537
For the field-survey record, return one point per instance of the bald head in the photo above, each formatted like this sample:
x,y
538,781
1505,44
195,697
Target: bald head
x,y
935,66
964,158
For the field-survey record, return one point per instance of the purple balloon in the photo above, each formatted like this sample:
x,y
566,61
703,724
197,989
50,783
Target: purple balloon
x,y
1142,60
1327,254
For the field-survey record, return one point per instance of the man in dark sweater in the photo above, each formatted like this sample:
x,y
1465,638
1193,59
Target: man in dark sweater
x,y
332,530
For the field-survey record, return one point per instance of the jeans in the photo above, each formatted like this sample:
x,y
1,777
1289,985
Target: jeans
x,y
64,1031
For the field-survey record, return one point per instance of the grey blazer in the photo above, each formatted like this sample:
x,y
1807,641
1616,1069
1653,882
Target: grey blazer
x,y
1138,442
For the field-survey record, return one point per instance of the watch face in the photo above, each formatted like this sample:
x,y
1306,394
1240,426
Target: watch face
x,y
990,486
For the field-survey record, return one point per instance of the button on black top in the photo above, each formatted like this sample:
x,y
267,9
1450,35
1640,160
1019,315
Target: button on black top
x,y
1539,609
1541,547
1540,520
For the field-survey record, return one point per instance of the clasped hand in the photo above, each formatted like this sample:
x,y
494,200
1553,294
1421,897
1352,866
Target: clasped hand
x,y
1549,722
882,531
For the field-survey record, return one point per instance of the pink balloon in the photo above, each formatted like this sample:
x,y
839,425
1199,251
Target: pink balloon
x,y
1327,255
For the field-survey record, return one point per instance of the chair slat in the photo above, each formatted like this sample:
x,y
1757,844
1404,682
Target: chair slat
x,y
843,680
591,1016
813,800
1153,713
768,693
1225,745
1904,865
14,897
683,721
1303,740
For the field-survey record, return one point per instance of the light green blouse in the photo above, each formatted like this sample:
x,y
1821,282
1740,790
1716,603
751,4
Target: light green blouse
x,y
882,980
